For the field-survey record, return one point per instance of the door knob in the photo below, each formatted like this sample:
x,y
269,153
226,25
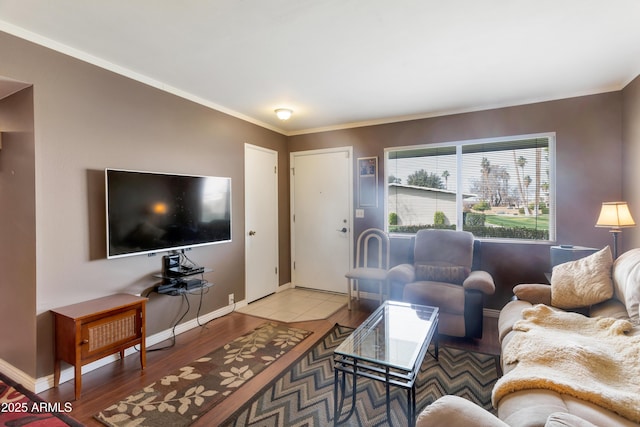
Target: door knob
x,y
343,230
252,233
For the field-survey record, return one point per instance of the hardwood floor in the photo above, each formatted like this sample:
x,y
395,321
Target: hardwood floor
x,y
116,381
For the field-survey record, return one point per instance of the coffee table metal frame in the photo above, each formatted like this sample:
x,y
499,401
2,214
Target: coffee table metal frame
x,y
354,358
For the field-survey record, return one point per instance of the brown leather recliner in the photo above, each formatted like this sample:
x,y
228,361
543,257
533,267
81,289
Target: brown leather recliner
x,y
441,276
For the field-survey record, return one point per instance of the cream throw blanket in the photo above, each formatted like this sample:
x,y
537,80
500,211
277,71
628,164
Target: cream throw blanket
x,y
588,358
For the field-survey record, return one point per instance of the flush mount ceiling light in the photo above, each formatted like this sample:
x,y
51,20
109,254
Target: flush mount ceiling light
x,y
284,113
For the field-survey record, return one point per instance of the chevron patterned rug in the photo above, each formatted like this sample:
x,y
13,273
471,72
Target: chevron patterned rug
x,y
303,396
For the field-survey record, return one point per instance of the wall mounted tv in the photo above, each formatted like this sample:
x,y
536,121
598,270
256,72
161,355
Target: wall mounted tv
x,y
151,212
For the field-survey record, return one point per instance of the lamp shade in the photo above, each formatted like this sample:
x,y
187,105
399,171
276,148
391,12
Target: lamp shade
x,y
615,215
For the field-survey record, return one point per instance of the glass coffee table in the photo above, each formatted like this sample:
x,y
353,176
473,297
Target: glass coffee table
x,y
388,347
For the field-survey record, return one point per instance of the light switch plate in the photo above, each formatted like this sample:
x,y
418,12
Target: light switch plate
x,y
359,213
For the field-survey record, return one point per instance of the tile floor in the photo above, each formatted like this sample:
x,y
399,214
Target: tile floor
x,y
296,305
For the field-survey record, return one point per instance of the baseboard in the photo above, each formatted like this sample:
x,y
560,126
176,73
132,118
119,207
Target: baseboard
x,y
45,383
17,375
367,295
284,287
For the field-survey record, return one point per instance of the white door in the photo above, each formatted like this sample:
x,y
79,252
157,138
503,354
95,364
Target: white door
x,y
261,221
321,204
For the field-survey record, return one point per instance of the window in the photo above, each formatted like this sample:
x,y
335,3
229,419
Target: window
x,y
494,188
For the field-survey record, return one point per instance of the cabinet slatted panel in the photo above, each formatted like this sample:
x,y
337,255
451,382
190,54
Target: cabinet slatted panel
x,y
108,333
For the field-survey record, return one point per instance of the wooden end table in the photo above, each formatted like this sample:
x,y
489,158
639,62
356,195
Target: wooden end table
x,y
91,330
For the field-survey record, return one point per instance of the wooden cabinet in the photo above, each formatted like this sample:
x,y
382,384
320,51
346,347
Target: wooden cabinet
x,y
91,330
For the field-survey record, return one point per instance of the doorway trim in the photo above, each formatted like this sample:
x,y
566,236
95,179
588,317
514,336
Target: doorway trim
x,y
292,157
272,287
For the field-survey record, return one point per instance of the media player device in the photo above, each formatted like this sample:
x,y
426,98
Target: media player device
x,y
193,283
170,262
182,271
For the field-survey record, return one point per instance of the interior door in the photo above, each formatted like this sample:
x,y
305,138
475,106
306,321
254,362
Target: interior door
x,y
321,205
261,222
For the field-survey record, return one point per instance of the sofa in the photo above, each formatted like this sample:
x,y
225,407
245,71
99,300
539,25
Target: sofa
x,y
585,330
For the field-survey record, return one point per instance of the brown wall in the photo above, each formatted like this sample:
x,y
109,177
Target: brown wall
x,y
588,153
87,119
630,237
18,232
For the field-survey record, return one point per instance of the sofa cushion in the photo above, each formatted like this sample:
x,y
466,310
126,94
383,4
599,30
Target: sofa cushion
x,y
564,419
530,408
510,314
439,273
450,410
403,273
626,275
448,297
583,282
610,308
535,293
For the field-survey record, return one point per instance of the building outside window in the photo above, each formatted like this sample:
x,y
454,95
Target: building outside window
x,y
495,188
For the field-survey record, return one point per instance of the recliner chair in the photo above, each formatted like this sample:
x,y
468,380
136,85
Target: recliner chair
x,y
441,276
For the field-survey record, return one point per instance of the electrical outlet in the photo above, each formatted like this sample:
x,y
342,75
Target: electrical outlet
x,y
232,299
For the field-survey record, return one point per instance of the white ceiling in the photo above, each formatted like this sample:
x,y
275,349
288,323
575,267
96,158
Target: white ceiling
x,y
342,63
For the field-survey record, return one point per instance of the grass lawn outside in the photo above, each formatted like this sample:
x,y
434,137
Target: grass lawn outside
x,y
541,222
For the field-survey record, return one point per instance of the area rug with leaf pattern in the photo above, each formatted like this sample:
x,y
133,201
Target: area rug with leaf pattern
x,y
180,398
303,395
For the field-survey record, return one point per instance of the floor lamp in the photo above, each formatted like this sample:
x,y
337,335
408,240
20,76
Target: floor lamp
x,y
615,215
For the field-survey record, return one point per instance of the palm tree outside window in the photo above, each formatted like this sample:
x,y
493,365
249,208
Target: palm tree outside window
x,y
495,188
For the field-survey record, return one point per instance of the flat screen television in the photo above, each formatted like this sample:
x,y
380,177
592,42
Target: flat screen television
x,y
150,212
